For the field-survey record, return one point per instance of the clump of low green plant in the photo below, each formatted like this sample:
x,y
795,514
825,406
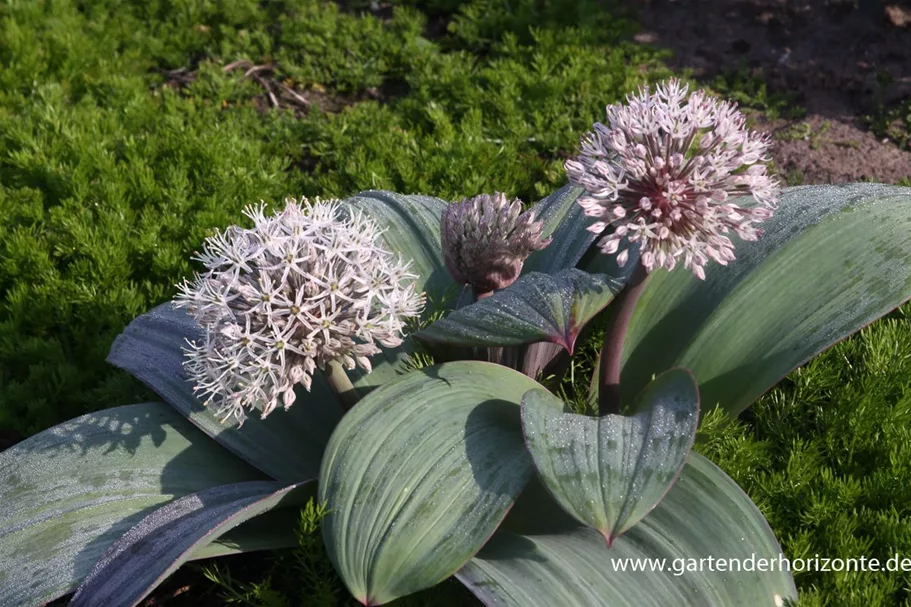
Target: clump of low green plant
x,y
890,121
893,124
804,131
303,573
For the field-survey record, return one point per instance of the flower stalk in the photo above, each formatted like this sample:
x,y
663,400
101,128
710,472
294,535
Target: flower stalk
x,y
614,337
341,385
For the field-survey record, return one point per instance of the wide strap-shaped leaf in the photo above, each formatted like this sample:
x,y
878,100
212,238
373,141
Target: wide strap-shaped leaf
x,y
537,307
609,472
833,259
139,561
565,222
412,230
706,544
287,445
71,491
420,473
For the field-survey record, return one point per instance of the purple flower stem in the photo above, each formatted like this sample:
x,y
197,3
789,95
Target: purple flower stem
x,y
341,385
614,336
479,294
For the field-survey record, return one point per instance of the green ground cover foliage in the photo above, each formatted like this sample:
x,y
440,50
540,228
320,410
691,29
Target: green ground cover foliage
x,y
114,167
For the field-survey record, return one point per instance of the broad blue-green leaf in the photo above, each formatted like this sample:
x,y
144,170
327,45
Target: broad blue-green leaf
x,y
419,474
565,222
148,553
287,445
555,561
609,472
539,357
833,259
537,307
412,230
71,491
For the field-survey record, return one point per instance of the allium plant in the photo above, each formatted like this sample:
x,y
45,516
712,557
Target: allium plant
x,y
468,468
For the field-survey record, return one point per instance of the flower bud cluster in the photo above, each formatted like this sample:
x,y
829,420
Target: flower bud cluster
x,y
486,240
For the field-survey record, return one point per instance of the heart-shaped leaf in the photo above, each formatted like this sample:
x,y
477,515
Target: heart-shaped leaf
x,y
609,472
420,473
565,222
69,492
537,307
139,561
833,259
699,547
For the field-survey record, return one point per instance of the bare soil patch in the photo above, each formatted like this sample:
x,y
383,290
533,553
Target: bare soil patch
x,y
844,60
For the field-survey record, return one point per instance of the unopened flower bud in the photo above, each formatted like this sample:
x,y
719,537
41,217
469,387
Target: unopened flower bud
x,y
486,240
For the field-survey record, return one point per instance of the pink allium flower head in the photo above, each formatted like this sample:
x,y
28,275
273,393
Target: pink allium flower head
x,y
300,289
486,240
669,173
